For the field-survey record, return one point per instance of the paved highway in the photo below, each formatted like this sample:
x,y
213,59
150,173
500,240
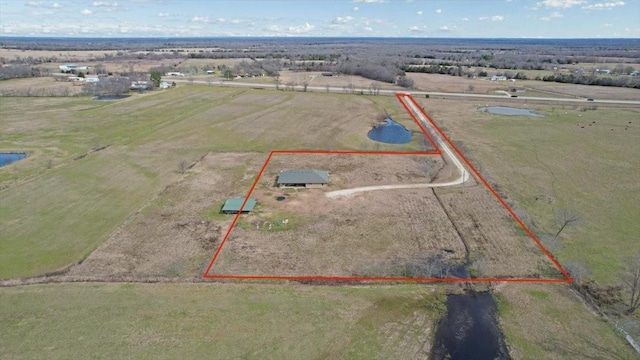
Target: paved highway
x,y
335,89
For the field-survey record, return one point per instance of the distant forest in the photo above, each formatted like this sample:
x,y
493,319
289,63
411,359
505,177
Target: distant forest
x,y
383,59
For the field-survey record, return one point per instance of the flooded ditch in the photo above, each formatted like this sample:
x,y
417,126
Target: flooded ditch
x,y
469,330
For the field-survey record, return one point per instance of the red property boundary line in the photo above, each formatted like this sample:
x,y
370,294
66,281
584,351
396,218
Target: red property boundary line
x,y
401,98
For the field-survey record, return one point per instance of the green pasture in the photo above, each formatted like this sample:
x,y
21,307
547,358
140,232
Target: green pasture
x,y
216,321
586,161
91,164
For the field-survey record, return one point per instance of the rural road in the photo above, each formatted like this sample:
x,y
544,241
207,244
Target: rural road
x,y
334,89
448,154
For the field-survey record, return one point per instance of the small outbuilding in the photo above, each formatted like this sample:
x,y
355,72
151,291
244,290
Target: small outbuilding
x,y
307,178
232,205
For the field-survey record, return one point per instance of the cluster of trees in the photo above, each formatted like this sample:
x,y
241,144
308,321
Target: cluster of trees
x,y
111,86
620,81
21,71
382,71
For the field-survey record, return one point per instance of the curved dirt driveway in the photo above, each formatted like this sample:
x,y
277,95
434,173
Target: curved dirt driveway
x,y
447,154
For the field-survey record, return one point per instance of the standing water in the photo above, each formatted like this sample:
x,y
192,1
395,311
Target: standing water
x,y
390,132
8,158
503,110
470,329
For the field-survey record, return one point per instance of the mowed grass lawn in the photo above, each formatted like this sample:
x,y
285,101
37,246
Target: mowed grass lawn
x,y
217,321
585,161
56,206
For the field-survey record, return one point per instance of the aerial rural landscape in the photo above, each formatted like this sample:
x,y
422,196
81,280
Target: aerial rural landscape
x,y
326,197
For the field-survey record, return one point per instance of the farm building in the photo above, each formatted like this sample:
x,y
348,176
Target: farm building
x,y
303,178
232,205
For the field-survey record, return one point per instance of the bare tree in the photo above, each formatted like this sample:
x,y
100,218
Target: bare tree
x,y
566,218
374,88
305,84
577,270
405,82
631,281
182,166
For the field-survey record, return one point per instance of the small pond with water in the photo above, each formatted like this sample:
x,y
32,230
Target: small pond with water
x,y
503,110
8,158
390,133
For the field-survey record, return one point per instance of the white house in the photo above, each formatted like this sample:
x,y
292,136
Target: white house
x,y
91,78
73,68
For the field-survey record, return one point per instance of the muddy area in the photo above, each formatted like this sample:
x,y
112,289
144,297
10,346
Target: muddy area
x,y
470,329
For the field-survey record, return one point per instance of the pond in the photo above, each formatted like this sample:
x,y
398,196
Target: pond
x,y
8,158
390,132
470,329
503,110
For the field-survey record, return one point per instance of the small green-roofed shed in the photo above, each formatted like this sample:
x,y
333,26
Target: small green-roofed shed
x,y
232,205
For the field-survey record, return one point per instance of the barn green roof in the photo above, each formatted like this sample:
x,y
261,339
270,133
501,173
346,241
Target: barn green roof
x,y
233,204
303,176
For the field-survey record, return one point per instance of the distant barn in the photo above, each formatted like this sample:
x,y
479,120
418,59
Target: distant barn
x,y
232,205
303,178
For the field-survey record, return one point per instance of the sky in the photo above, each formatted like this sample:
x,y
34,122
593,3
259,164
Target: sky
x,y
322,18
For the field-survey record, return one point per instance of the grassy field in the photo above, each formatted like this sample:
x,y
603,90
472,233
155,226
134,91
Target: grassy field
x,y
548,322
59,204
108,172
583,161
217,321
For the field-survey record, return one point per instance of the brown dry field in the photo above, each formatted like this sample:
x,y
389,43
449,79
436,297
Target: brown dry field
x,y
317,80
367,234
173,236
66,56
447,83
374,233
41,86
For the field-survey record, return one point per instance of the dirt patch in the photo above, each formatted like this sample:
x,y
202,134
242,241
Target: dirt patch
x,y
406,233
176,233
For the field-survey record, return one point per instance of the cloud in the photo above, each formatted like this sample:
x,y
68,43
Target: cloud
x,y
559,3
200,19
419,13
607,25
368,28
439,11
86,12
553,15
444,28
161,14
302,29
465,19
114,6
416,30
56,5
497,18
603,6
355,8
34,3
342,19
370,1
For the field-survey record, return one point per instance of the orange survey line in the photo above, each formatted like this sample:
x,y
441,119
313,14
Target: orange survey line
x,y
504,204
235,218
437,151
